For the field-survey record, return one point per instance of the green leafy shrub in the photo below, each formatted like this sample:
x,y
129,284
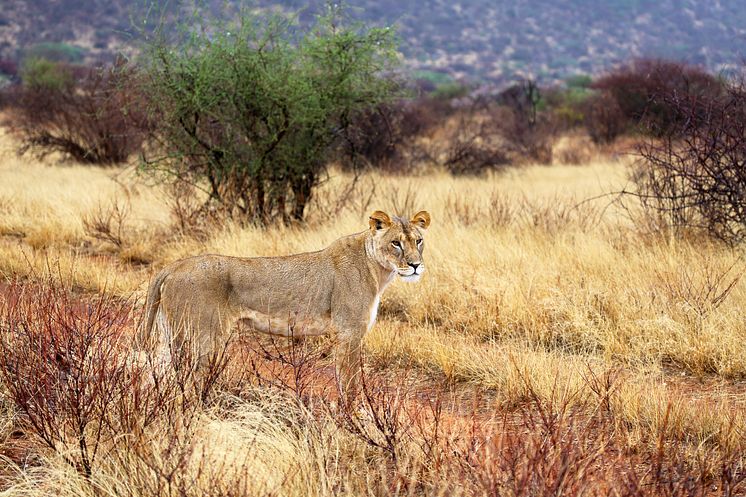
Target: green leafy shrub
x,y
55,52
450,90
567,105
252,112
579,81
44,74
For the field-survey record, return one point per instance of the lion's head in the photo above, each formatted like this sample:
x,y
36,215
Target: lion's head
x,y
398,242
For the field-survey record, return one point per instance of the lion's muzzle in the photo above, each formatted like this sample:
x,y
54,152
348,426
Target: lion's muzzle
x,y
411,272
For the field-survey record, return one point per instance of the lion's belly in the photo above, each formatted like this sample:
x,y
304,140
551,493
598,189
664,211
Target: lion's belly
x,y
290,325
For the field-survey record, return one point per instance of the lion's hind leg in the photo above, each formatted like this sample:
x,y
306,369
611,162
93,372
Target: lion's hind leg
x,y
202,337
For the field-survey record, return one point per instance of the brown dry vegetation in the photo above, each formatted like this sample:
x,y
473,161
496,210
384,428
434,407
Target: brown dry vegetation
x,y
555,346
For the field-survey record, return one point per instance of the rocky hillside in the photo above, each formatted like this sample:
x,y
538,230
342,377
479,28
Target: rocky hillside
x,y
477,39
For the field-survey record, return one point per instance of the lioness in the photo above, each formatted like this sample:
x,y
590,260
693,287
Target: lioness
x,y
335,290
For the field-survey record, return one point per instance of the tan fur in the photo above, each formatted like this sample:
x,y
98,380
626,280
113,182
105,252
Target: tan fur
x,y
336,290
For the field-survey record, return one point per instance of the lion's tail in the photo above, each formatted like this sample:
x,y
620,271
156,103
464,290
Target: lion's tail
x,y
151,309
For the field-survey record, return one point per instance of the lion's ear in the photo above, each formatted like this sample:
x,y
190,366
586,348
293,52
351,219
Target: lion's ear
x,y
379,220
421,219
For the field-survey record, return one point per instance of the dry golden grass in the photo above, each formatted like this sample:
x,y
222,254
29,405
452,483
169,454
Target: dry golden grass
x,y
529,291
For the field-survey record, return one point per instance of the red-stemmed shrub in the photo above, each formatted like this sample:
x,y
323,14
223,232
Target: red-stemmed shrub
x,y
63,365
73,369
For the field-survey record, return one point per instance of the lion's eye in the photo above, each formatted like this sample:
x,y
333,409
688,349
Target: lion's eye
x,y
396,244
419,242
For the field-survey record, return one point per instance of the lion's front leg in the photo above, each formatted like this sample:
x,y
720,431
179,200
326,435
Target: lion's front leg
x,y
350,317
348,358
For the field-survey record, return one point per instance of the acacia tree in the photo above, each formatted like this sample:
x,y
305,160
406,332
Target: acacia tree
x,y
250,112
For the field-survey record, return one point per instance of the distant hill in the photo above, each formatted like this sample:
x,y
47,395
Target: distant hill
x,y
477,39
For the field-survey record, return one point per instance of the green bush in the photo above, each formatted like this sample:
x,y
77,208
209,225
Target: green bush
x,y
251,112
450,90
44,74
579,81
55,52
569,105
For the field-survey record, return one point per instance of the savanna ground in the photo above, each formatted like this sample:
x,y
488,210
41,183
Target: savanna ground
x,y
556,345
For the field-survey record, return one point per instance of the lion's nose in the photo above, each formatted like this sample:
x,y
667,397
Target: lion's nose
x,y
414,265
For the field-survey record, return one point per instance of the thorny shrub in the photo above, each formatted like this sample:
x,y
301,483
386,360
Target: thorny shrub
x,y
385,137
637,92
91,115
692,176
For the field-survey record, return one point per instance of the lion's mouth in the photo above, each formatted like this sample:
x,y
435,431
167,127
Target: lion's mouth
x,y
410,273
